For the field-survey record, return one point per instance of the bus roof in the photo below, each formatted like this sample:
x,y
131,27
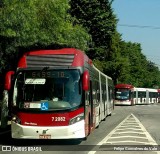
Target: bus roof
x,y
152,90
145,89
122,85
56,57
139,89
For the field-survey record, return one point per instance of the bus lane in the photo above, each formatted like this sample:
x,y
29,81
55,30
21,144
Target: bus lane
x,y
129,136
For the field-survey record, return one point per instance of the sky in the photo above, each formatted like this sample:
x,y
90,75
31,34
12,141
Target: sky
x,y
139,21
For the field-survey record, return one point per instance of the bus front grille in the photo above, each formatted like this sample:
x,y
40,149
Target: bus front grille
x,y
49,60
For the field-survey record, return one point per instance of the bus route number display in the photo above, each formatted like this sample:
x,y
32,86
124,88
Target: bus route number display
x,y
50,74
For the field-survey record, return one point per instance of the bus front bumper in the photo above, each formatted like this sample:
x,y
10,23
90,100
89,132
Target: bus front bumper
x,y
127,102
73,131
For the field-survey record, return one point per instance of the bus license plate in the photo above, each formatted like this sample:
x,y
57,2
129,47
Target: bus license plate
x,y
45,136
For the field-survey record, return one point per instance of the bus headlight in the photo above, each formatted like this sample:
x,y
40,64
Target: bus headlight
x,y
76,119
16,119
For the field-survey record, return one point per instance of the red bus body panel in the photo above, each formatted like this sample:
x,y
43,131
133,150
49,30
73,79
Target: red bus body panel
x,y
48,119
127,86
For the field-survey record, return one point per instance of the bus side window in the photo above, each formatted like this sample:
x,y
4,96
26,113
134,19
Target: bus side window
x,y
109,96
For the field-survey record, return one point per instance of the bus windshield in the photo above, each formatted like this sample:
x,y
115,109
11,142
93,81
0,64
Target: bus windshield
x,y
122,94
47,90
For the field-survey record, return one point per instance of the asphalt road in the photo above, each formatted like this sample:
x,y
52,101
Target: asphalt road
x,y
135,126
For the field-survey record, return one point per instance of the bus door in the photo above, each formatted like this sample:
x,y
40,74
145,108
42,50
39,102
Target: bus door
x,y
137,101
91,105
147,97
131,97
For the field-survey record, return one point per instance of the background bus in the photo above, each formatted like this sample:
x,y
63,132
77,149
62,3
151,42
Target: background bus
x,y
56,94
141,96
153,95
124,94
145,96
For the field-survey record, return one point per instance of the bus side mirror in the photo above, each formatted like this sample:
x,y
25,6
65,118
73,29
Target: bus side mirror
x,y
8,80
85,81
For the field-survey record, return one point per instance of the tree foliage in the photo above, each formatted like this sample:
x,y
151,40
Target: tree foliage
x,y
140,70
97,16
39,24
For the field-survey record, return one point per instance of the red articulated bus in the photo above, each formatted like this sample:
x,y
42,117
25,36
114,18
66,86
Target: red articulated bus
x,y
124,94
57,94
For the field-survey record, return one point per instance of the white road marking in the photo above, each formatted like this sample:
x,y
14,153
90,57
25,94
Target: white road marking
x,y
129,130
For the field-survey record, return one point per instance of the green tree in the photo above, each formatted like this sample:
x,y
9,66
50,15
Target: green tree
x,y
117,65
142,73
34,23
96,16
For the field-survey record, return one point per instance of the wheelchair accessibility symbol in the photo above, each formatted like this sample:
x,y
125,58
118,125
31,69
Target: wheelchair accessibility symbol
x,y
44,106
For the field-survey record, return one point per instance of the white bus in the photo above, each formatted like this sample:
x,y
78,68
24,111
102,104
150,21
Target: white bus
x,y
145,96
153,95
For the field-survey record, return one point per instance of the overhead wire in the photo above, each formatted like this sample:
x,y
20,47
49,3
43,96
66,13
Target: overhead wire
x,y
139,26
